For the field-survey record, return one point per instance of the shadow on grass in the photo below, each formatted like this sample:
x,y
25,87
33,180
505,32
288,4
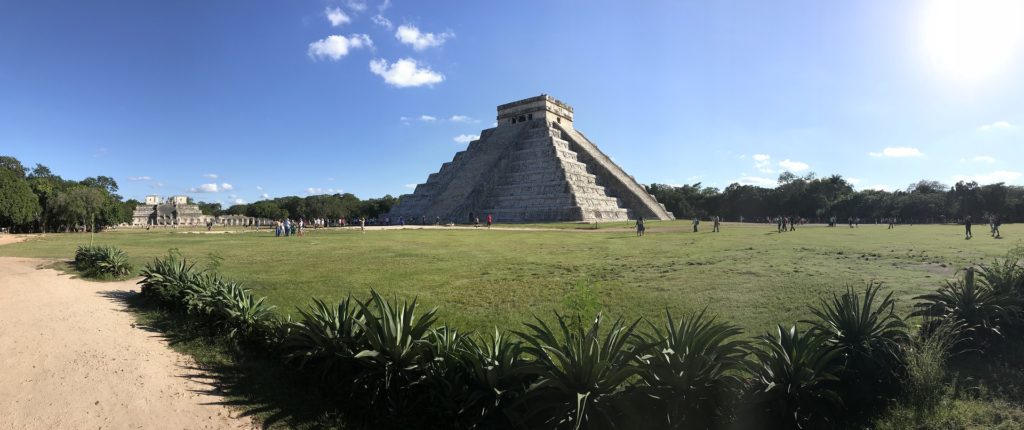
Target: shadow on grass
x,y
253,383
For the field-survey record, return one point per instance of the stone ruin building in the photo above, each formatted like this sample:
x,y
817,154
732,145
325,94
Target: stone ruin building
x,y
176,211
534,166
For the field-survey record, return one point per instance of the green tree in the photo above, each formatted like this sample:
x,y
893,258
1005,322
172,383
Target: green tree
x,y
18,205
12,164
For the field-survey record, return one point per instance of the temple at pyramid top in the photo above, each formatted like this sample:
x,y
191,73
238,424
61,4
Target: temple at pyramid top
x,y
533,166
542,106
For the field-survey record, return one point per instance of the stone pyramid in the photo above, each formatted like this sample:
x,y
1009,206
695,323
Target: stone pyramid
x,y
534,166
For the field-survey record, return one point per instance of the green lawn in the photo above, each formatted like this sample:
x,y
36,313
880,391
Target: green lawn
x,y
749,274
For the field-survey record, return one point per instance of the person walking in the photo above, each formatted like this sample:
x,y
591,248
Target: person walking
x,y
362,224
490,220
995,227
640,226
716,227
696,222
967,227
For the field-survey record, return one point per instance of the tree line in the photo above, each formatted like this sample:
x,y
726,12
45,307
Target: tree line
x,y
324,206
37,200
818,199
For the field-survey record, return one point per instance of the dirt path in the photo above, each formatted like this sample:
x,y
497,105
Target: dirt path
x,y
71,357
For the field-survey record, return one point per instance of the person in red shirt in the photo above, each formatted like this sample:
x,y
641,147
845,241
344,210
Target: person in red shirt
x,y
489,220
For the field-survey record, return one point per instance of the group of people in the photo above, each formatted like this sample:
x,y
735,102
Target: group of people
x,y
993,226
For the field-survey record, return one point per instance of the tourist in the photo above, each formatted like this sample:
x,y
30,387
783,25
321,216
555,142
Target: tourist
x,y
640,226
696,222
476,222
967,227
490,220
302,226
792,223
277,228
779,226
362,224
715,228
437,220
995,227
287,227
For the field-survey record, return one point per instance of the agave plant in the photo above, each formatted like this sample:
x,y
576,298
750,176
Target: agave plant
x,y
327,339
497,371
102,261
241,313
692,372
983,310
578,372
794,380
165,279
395,342
446,378
1005,276
871,337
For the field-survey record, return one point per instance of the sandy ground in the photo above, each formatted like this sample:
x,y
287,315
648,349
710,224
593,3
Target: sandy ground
x,y
72,358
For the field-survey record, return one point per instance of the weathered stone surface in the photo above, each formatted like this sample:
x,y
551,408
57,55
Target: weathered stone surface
x,y
534,166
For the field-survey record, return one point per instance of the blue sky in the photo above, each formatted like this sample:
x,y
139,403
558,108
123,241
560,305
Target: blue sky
x,y
235,100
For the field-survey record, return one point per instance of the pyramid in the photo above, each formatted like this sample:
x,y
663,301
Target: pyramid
x,y
534,166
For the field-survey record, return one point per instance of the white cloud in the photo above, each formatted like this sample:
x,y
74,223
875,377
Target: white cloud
x,y
264,196
357,5
157,185
405,73
204,188
427,118
992,177
410,35
793,166
463,119
317,190
763,163
897,151
853,181
335,46
336,17
210,176
226,186
465,138
879,187
384,6
984,159
259,188
382,22
239,201
410,185
756,181
996,126
139,178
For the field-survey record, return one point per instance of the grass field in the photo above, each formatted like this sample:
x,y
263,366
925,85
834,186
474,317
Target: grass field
x,y
748,274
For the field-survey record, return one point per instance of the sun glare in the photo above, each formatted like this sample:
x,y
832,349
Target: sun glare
x,y
973,40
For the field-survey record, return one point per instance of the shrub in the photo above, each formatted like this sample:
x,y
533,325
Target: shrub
x,y
984,311
396,341
102,262
925,380
870,337
327,339
692,374
498,375
165,280
578,372
241,314
794,380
